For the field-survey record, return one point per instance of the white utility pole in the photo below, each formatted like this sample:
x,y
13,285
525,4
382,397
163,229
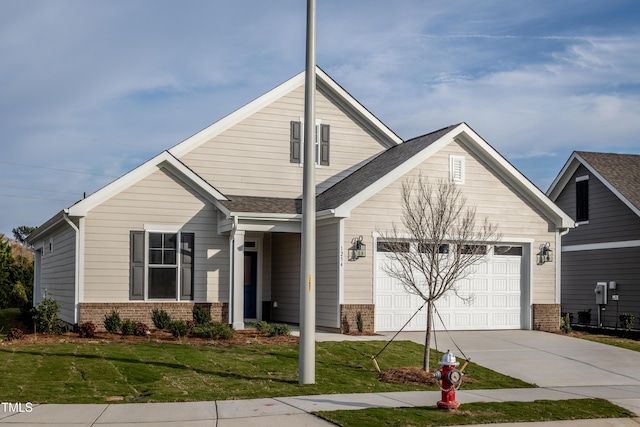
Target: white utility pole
x,y
307,359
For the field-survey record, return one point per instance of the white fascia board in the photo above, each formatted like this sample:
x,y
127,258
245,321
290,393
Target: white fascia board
x,y
344,211
237,116
513,175
358,108
563,177
164,159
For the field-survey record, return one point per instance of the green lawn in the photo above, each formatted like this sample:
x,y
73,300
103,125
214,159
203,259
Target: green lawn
x,y
91,372
627,343
479,413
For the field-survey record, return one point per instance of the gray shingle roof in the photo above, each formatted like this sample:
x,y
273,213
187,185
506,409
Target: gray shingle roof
x,y
622,171
378,167
345,189
263,204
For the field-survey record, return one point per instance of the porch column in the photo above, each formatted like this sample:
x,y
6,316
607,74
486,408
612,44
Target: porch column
x,y
237,297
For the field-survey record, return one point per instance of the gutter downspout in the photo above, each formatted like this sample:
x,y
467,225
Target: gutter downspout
x,y
76,293
562,232
232,236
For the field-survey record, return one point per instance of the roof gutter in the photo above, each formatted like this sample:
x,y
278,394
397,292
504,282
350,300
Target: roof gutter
x,y
78,259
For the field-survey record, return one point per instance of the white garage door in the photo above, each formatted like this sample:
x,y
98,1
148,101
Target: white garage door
x,y
495,287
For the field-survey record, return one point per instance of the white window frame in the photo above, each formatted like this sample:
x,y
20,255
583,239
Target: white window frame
x,y
166,229
580,179
317,140
456,163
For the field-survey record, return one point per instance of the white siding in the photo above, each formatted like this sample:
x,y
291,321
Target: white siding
x,y
252,157
286,277
59,270
491,195
327,262
161,198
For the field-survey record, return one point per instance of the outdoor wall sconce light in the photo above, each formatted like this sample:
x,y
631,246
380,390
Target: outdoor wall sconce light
x,y
358,249
545,254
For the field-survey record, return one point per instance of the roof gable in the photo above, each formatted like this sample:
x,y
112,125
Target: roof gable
x,y
395,162
620,173
162,160
323,82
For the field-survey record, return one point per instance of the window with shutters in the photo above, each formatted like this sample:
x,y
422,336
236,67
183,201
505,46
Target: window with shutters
x,y
582,199
456,169
161,265
322,140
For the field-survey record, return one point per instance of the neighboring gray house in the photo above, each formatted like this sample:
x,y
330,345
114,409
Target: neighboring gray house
x,y
215,221
602,192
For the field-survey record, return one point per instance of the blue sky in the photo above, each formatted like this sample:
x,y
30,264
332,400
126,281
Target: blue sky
x,y
89,89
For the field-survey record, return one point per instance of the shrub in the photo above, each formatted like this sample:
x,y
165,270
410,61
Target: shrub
x,y
15,334
359,321
161,318
565,323
626,320
178,328
112,322
191,324
277,329
87,330
141,330
584,317
261,326
201,315
214,330
45,316
128,327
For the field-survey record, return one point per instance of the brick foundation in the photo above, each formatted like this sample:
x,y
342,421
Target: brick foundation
x,y
546,317
348,316
141,311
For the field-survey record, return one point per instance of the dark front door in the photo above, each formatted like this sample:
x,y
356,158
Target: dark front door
x,y
250,284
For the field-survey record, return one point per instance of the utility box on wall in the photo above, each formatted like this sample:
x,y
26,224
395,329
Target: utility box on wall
x,y
601,293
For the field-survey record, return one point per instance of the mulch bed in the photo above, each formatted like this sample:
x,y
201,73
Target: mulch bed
x,y
247,337
413,375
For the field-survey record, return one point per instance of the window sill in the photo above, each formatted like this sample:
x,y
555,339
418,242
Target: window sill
x,y
582,222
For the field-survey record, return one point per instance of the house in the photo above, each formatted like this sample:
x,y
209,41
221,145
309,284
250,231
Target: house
x,y
601,191
216,221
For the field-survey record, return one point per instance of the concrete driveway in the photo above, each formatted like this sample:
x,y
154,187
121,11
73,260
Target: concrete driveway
x,y
545,359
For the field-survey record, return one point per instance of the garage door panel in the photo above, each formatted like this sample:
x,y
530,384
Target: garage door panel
x,y
490,299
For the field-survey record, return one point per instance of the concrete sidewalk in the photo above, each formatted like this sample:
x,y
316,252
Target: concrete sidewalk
x,y
563,367
274,412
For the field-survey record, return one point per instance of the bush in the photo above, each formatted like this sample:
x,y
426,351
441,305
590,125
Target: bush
x,y
179,328
15,334
161,318
112,322
87,330
201,315
584,317
627,320
141,330
278,329
565,323
128,327
359,321
261,326
214,330
45,316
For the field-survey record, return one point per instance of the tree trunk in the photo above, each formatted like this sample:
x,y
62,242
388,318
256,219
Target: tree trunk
x,y
427,338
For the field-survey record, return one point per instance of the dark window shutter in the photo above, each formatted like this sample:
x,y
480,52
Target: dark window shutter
x,y
136,262
296,140
324,145
582,200
186,261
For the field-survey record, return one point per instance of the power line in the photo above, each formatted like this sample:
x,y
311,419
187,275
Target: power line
x,y
37,198
56,169
37,189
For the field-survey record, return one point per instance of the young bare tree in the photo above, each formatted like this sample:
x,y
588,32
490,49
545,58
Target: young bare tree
x,y
439,243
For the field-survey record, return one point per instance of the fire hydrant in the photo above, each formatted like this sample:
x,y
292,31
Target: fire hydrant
x,y
449,378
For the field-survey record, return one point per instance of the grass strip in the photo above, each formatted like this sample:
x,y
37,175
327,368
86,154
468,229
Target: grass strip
x,y
479,413
152,372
